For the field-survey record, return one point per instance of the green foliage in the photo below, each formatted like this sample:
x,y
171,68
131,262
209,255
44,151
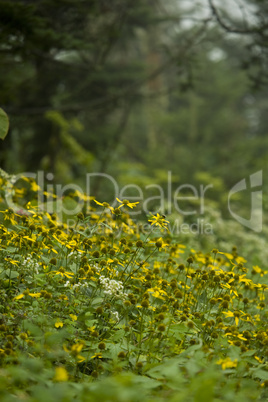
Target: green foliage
x,y
135,79
72,59
4,124
106,308
71,152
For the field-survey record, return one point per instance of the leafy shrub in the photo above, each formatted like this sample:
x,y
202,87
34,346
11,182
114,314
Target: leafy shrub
x,y
107,309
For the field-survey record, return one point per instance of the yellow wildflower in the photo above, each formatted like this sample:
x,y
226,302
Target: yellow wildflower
x,y
159,220
61,374
96,355
58,324
127,203
104,204
258,359
27,293
227,363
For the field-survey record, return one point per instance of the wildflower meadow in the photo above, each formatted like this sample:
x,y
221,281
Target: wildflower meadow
x,y
104,310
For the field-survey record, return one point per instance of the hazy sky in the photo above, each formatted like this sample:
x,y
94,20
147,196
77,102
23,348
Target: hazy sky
x,y
237,9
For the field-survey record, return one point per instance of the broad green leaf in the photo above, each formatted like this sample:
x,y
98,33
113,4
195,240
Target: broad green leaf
x,y
4,124
119,334
12,274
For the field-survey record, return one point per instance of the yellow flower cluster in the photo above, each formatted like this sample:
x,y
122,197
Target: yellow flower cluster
x,y
164,296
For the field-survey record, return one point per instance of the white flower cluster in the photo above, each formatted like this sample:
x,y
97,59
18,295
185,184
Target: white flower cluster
x,y
29,262
9,177
115,315
4,174
74,257
76,285
112,287
97,267
80,285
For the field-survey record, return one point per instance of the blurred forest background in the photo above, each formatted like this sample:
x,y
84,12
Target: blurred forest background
x,y
135,89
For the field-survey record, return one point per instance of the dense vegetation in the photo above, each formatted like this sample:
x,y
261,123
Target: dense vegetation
x,y
149,283
111,310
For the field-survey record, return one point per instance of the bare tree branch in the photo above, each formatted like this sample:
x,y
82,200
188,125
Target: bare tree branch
x,y
226,27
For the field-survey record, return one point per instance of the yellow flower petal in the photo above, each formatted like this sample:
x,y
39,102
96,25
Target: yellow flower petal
x,y
61,374
19,297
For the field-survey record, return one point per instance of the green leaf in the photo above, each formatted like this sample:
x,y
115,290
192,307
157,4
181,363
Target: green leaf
x,y
13,274
4,124
178,330
259,373
119,334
